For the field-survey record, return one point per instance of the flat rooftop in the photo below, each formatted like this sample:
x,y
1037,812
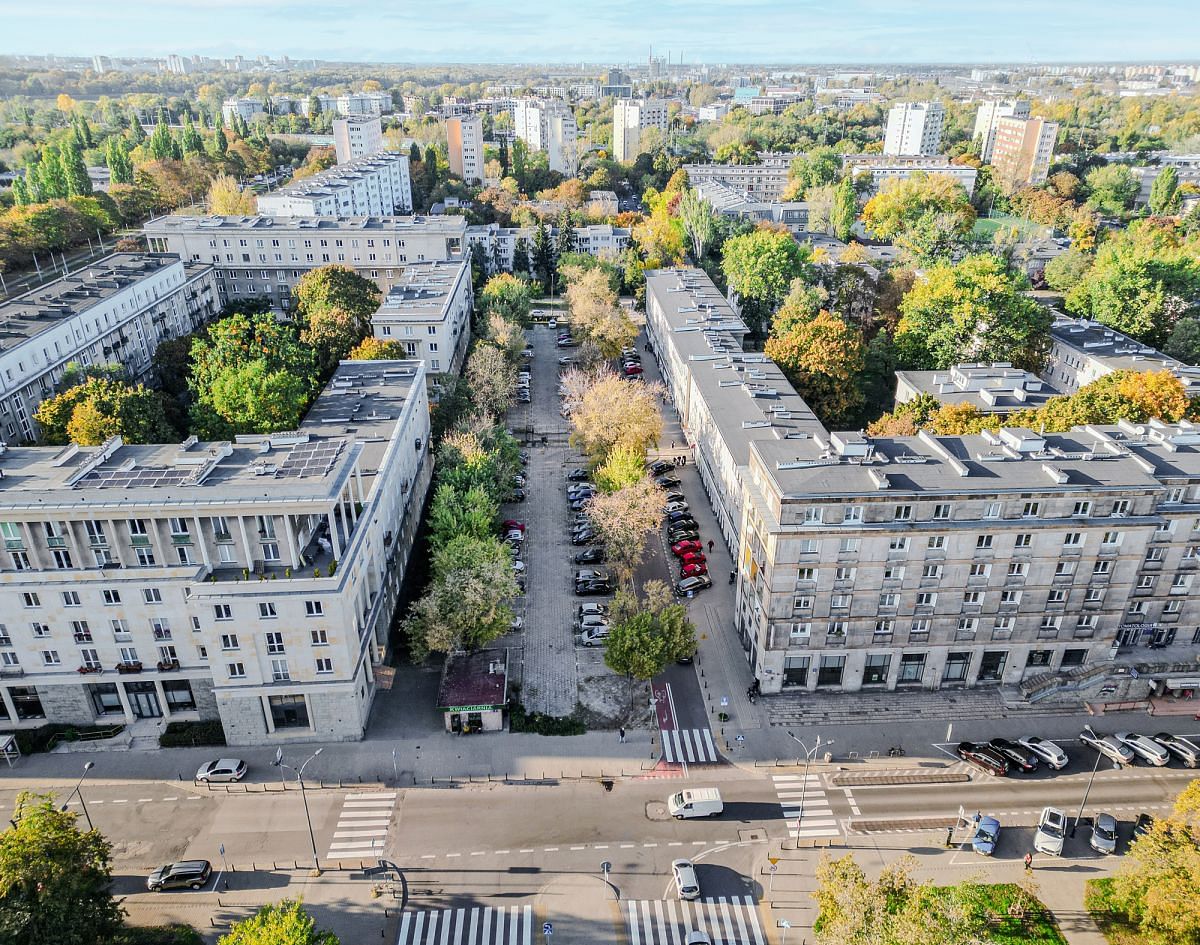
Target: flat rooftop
x,y
28,315
351,421
425,289
164,226
1119,352
990,388
340,175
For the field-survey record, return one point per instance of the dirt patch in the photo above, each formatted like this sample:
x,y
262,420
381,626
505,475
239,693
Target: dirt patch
x,y
604,700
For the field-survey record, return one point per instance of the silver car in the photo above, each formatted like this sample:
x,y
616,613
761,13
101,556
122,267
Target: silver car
x,y
1104,834
223,769
1186,751
1145,748
1108,745
1049,752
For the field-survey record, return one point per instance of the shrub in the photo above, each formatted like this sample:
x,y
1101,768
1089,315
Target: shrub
x,y
38,739
158,935
540,724
191,734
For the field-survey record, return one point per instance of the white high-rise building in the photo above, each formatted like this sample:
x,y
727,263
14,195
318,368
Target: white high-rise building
x,y
376,185
630,118
914,128
549,125
987,119
464,135
357,136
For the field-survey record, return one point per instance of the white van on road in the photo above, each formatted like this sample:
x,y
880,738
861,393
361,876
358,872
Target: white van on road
x,y
698,802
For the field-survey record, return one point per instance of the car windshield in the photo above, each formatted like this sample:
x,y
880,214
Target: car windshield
x,y
1105,831
1052,827
987,832
678,799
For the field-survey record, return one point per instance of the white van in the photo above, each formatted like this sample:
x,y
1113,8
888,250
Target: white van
x,y
700,802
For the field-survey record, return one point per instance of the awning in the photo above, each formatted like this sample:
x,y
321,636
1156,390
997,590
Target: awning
x,y
1183,682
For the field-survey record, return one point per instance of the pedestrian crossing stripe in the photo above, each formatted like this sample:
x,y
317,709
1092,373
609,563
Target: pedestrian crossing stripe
x,y
804,795
362,826
693,745
669,922
473,925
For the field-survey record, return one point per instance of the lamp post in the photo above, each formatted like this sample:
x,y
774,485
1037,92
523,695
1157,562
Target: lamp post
x,y
299,772
808,757
86,816
1086,791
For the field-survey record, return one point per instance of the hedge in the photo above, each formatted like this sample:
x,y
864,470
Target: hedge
x,y
192,734
34,740
540,724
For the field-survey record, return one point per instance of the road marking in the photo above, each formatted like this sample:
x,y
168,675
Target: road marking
x,y
145,800
479,853
805,806
170,798
500,853
527,850
97,802
195,797
340,834
699,843
121,801
628,846
691,745
453,854
675,843
649,844
428,856
362,825
733,919
600,846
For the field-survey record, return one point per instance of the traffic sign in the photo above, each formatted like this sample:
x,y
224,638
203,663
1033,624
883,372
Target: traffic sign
x,y
547,928
740,738
785,924
606,866
772,860
724,700
773,868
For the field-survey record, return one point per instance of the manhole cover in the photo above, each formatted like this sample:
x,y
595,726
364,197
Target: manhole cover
x,y
755,834
657,810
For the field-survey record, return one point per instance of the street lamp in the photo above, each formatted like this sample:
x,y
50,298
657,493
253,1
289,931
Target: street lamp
x,y
1086,791
808,757
299,772
86,768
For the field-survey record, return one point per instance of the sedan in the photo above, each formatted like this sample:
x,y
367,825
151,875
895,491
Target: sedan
x,y
517,495
566,361
1104,834
1186,751
592,588
1143,825
666,482
660,467
590,574
691,570
511,523
683,534
524,398
590,621
223,769
592,610
1016,755
681,518
693,557
581,491
690,585
584,536
1051,832
983,758
1049,752
681,548
580,505
567,343
590,556
679,505
631,369
1117,752
987,835
577,475
675,497
1145,748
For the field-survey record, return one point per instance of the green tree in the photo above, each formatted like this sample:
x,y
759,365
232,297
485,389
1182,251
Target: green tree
x,y
90,412
1111,189
227,198
542,255
492,378
1184,342
760,267
507,296
473,513
191,142
901,202
820,166
51,175
335,287
623,467
54,878
522,264
646,639
160,142
1067,270
136,131
973,311
219,143
283,923
824,358
624,520
844,212
376,349
564,238
120,166
74,170
20,190
699,223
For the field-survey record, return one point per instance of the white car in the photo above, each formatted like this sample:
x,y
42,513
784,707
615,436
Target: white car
x,y
1051,832
1049,752
553,323
1144,747
1115,751
223,769
685,879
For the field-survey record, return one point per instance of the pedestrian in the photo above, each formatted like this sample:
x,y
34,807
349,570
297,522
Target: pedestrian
x,y
621,732
732,576
672,444
1028,862
710,546
949,837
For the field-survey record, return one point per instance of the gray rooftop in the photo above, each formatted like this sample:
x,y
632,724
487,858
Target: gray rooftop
x,y
352,421
424,290
1117,351
340,175
455,225
990,388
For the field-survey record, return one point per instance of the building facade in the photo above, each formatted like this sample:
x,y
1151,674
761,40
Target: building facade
x,y
548,124
733,203
429,312
252,582
766,180
630,118
987,120
914,128
266,256
116,310
499,243
1082,351
883,167
244,108
376,185
465,138
1023,150
357,137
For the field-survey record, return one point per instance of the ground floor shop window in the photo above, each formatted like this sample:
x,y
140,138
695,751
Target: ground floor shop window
x,y
912,668
289,711
179,695
795,671
991,667
956,667
1040,658
1074,657
105,699
830,673
876,671
26,702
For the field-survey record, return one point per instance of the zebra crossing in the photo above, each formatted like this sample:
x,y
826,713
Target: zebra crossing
x,y
670,921
477,925
818,819
362,825
693,745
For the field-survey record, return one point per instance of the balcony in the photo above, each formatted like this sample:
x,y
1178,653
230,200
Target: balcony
x,y
139,541
14,544
89,668
181,539
168,666
134,667
56,541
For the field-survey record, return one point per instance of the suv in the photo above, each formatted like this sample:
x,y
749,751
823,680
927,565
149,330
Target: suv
x,y
685,879
1051,832
690,585
191,873
1104,834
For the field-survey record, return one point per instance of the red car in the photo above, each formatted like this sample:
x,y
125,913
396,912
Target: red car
x,y
696,567
692,557
685,547
511,523
632,369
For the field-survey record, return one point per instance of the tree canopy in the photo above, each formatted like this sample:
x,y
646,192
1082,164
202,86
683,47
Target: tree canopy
x,y
760,267
902,203
282,923
102,407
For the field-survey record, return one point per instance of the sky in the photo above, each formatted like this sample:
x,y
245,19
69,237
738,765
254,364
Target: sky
x,y
613,31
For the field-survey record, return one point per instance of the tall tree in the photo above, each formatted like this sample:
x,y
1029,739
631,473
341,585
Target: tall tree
x,y
625,519
336,287
137,132
100,407
51,175
1111,189
219,143
824,357
542,255
227,198
699,223
521,259
282,923
160,141
760,267
901,202
191,142
54,879
844,213
1164,192
564,238
20,190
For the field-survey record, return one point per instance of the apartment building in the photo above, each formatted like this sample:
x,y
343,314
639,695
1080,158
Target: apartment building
x,y
244,108
766,180
914,128
883,167
356,137
734,203
990,388
252,582
1023,150
375,185
926,561
465,137
1082,351
499,243
364,103
548,124
266,256
630,118
116,310
429,312
987,120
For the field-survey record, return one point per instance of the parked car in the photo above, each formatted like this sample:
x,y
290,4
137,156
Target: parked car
x,y
565,361
690,570
577,475
583,536
593,555
987,835
681,518
598,610
679,505
192,874
1051,832
581,490
553,323
983,758
681,548
511,523
590,574
517,624
631,369
223,769
1016,755
686,883
690,585
1143,824
592,588
1117,752
1049,752
517,495
591,620
682,534
514,535
567,343
1186,751
524,398
675,497
579,505
660,467
1144,747
693,557
1104,834
666,482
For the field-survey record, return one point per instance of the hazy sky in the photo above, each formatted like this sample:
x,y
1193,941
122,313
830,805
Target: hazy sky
x,y
711,31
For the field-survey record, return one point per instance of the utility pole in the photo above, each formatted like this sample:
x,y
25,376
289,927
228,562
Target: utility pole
x,y
299,772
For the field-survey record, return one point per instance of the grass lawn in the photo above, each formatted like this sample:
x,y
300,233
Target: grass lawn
x,y
1006,927
1117,928
987,226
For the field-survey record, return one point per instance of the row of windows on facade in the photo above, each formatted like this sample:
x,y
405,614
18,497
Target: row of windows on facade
x,y
308,244
854,514
911,668
215,259
980,572
267,610
1085,626
1074,541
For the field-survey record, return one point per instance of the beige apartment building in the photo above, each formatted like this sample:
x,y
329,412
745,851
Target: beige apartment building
x,y
464,136
1022,151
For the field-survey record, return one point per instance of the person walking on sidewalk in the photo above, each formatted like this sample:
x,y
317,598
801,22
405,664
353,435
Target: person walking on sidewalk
x,y
710,546
1028,862
621,734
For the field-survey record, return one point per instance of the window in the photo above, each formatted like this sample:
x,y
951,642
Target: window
x,y
927,599
1082,508
983,542
956,667
941,512
839,601
893,572
852,515
112,596
806,575
266,610
1111,538
993,510
270,551
800,632
40,629
803,602
274,642
1011,598
229,641
875,672
1017,569
236,671
936,542
809,546
814,515
1155,554
1040,658
1146,582
838,628
50,658
885,627
89,658
152,595
1073,657
898,544
932,571
70,598
849,546
1024,540
324,665
128,654
1085,625
279,671
902,513
844,574
1180,583
1073,540
1137,608
319,637
972,598
831,669
289,711
1051,622
1101,568
120,631
1174,496
145,557
991,665
314,608
1173,607
889,600
1094,595
919,626
980,570
1031,510
912,667
1002,628
222,611
1064,569
968,625
1120,508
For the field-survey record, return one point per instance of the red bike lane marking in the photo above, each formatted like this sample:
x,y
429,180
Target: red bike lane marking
x,y
662,706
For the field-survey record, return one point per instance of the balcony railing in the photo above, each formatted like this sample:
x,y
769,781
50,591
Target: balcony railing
x,y
139,541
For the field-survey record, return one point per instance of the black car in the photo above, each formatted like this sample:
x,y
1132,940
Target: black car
x,y
1016,755
193,874
683,516
682,534
1143,824
666,482
580,505
581,491
690,585
675,497
592,588
585,536
661,467
590,574
517,495
983,758
590,556
577,475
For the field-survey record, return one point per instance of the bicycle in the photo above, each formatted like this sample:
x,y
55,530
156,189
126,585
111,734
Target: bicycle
x,y
895,752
